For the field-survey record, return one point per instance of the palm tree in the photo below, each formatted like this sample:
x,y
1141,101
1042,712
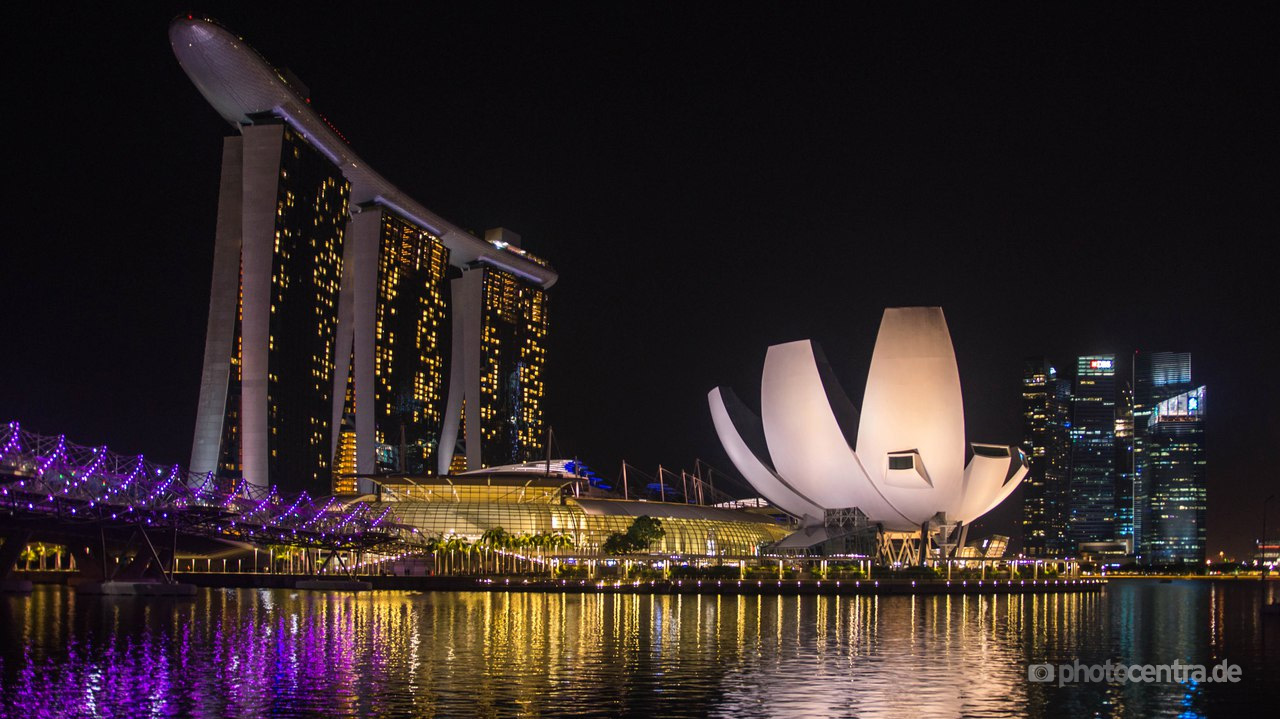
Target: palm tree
x,y
433,545
537,541
495,538
560,540
520,543
457,544
470,549
27,554
452,544
533,542
510,543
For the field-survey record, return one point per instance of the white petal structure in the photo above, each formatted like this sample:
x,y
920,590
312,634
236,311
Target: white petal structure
x,y
909,461
912,404
804,432
734,423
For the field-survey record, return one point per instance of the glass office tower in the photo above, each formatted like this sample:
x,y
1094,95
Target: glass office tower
x,y
1124,469
1046,415
1157,376
1175,465
1091,513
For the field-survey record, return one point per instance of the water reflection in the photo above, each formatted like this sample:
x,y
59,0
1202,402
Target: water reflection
x,y
287,653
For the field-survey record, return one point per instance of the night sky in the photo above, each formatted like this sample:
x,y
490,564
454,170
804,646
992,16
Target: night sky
x,y
707,182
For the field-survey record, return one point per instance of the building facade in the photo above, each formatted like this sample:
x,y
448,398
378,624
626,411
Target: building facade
x,y
495,411
339,330
900,461
1157,376
535,503
1091,513
1046,419
1175,465
265,399
1125,507
394,347
1131,484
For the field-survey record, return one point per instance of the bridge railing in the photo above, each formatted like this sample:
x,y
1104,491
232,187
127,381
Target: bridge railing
x,y
50,475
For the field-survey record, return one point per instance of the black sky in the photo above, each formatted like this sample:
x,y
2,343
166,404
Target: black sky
x,y
707,181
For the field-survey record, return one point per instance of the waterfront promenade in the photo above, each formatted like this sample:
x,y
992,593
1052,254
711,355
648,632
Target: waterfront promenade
x,y
518,583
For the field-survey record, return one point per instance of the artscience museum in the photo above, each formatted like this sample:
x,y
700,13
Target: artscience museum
x,y
900,467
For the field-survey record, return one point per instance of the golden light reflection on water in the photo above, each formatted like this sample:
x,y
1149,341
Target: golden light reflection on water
x,y
288,653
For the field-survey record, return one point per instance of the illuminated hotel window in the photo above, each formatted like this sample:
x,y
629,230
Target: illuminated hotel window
x,y
410,308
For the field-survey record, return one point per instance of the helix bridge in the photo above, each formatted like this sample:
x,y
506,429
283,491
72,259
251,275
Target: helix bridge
x,y
58,489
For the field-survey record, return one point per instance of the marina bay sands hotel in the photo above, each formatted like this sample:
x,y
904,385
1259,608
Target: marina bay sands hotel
x,y
351,330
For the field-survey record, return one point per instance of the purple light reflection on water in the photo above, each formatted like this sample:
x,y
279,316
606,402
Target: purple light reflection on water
x,y
134,681
232,653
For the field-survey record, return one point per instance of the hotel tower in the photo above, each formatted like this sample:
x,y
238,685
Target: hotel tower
x,y
351,330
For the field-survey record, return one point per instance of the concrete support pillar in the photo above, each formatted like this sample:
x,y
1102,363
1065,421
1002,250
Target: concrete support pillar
x,y
464,372
365,229
211,408
343,336
261,177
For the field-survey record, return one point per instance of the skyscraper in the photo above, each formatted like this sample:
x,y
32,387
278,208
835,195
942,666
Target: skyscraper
x,y
394,345
265,396
500,341
1157,376
1175,466
1092,503
1124,499
336,297
1046,407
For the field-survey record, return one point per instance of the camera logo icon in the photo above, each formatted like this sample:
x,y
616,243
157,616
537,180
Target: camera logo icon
x,y
1040,672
